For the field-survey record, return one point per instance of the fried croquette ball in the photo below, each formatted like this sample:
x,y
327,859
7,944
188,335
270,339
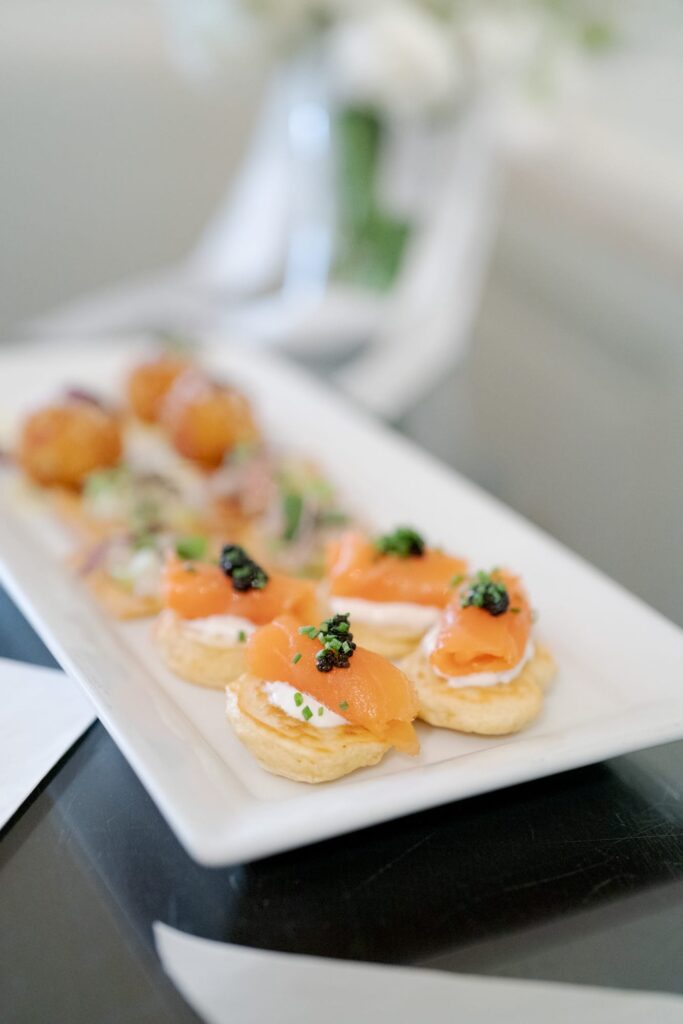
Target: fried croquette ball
x,y
205,420
63,442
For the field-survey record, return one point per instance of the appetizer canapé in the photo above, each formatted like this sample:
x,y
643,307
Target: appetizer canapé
x,y
125,570
314,706
204,420
478,670
123,501
61,443
211,610
394,587
281,507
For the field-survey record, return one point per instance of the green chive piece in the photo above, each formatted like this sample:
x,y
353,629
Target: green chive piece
x,y
344,705
456,580
307,713
241,637
515,611
192,548
321,711
298,699
297,658
292,510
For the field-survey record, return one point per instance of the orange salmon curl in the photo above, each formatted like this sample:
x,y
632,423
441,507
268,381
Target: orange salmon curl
x,y
356,568
371,692
195,590
471,640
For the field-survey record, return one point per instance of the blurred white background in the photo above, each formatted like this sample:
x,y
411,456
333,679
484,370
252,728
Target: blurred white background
x,y
569,405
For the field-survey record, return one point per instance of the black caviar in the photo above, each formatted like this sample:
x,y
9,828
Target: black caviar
x,y
337,642
404,542
242,570
487,593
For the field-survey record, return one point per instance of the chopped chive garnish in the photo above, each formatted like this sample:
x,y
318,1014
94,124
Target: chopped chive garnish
x,y
308,631
191,548
297,658
298,699
344,705
307,713
321,711
456,580
241,637
515,611
336,638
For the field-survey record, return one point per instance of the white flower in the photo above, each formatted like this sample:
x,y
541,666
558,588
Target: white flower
x,y
396,57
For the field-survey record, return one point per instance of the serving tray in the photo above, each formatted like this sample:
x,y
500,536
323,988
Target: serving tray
x,y
619,685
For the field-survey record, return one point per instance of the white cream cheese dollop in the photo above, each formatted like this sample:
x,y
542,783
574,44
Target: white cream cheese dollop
x,y
477,678
220,630
414,618
283,696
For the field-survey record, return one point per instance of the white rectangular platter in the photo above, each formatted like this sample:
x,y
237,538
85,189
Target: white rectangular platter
x,y
620,680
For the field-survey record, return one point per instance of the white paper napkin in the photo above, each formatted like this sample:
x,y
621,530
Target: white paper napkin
x,y
225,983
42,713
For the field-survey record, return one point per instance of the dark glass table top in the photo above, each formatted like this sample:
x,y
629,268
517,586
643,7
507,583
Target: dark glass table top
x,y
575,878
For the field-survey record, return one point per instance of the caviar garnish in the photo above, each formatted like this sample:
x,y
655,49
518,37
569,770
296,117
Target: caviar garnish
x,y
487,593
244,573
404,542
337,642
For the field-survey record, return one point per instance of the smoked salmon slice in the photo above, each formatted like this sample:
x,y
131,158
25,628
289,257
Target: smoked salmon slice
x,y
195,590
371,692
473,640
356,568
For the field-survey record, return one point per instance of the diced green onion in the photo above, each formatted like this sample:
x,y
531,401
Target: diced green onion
x,y
307,713
297,658
191,548
298,699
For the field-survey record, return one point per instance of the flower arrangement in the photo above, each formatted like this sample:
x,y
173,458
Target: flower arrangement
x,y
408,58
390,195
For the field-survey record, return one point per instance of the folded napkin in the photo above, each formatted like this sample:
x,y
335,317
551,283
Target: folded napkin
x,y
42,713
225,983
